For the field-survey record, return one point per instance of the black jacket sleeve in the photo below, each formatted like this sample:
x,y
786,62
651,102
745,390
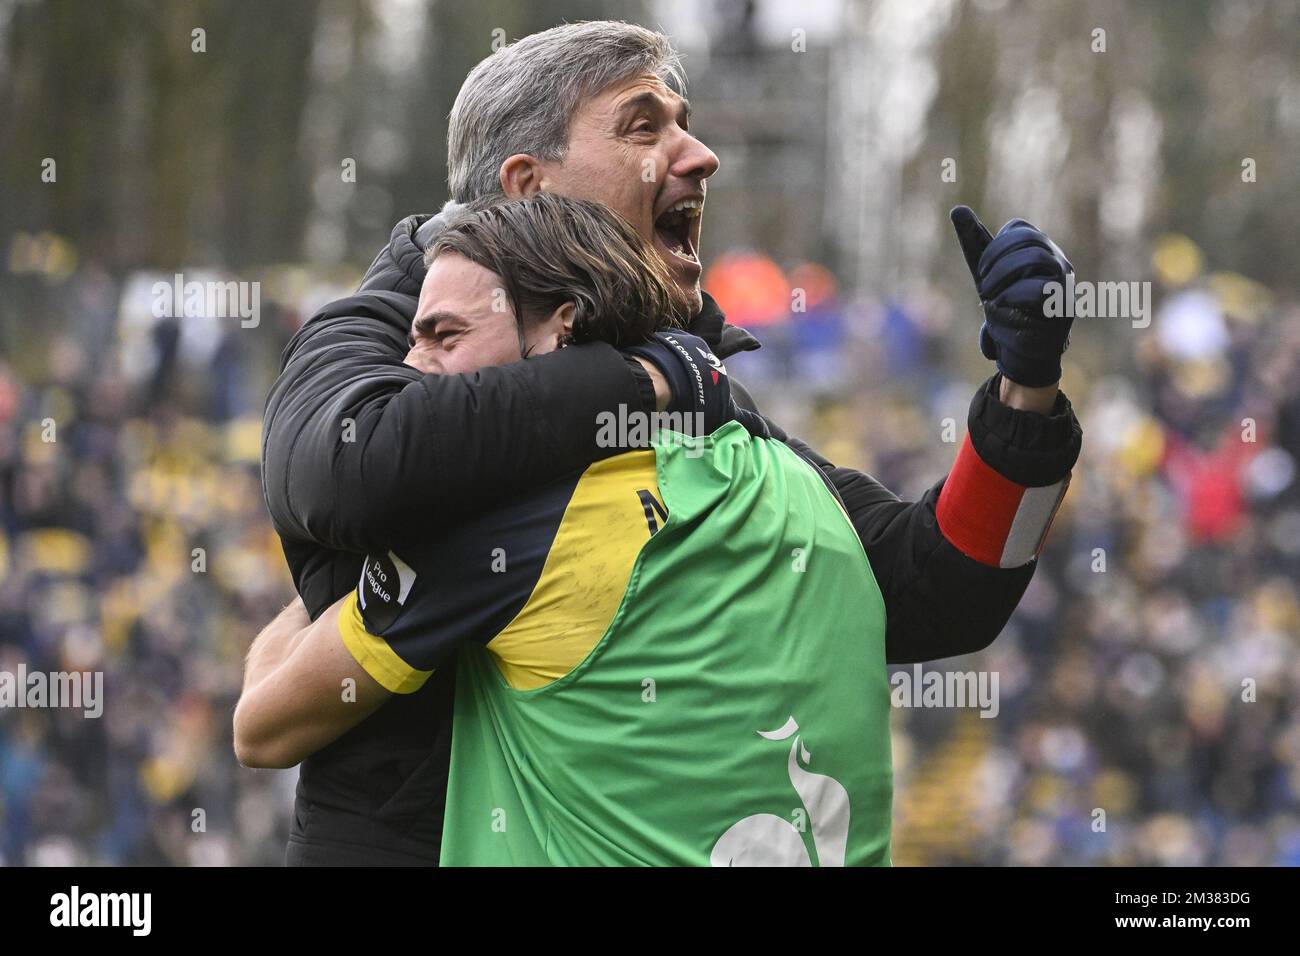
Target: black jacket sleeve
x,y
362,452
939,602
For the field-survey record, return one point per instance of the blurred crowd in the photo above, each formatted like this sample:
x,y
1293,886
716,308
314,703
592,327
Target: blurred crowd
x,y
1148,682
135,542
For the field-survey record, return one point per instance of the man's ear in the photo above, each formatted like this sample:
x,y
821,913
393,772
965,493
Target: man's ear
x,y
565,314
521,176
552,332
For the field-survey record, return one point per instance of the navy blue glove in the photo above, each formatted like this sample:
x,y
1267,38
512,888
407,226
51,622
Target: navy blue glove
x,y
698,380
1010,272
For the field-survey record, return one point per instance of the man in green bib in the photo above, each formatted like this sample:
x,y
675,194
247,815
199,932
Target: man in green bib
x,y
614,704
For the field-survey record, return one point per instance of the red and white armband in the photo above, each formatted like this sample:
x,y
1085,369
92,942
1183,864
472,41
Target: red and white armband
x,y
992,519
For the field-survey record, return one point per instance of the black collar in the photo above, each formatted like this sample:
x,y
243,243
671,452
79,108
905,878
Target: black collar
x,y
711,325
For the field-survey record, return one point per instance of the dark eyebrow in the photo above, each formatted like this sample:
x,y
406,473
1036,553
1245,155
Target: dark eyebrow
x,y
654,100
427,324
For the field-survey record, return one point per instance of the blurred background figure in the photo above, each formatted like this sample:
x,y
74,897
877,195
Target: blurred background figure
x,y
1149,682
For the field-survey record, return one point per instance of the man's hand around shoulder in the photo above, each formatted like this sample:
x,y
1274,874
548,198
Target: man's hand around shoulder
x,y
695,380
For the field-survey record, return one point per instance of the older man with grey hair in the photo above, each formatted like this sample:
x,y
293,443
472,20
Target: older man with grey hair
x,y
361,452
593,110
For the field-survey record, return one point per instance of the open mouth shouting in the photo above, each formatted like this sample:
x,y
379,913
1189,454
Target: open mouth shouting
x,y
677,234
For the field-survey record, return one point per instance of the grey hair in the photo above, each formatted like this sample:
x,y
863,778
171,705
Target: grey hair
x,y
522,97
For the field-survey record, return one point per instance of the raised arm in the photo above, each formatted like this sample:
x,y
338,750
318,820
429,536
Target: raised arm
x,y
953,566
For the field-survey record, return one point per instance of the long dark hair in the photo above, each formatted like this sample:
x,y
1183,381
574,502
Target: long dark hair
x,y
550,250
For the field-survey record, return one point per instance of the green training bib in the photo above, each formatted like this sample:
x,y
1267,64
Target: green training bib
x,y
735,712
